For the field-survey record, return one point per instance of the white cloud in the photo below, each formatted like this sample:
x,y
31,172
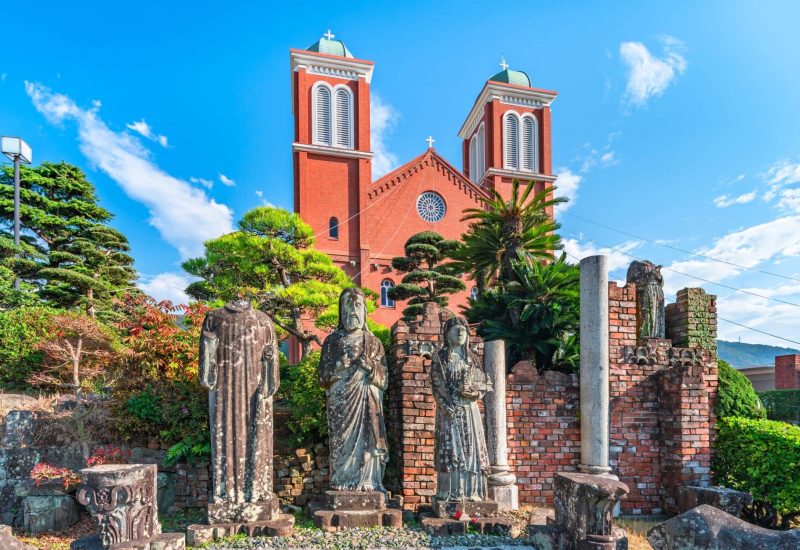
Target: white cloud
x,y
567,186
208,184
724,201
143,128
617,259
265,202
760,313
225,180
607,158
383,119
648,75
167,286
782,179
183,215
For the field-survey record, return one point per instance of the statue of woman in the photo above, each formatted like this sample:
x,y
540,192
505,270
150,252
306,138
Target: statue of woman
x,y
649,297
458,381
352,370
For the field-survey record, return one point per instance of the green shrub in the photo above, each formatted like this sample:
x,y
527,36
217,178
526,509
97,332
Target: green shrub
x,y
20,331
736,395
306,400
782,405
761,457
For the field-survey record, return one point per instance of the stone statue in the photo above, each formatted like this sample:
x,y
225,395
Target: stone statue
x,y
649,298
353,372
459,382
239,366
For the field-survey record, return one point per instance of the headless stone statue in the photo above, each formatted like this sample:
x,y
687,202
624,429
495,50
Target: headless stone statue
x,y
239,366
649,299
458,381
352,370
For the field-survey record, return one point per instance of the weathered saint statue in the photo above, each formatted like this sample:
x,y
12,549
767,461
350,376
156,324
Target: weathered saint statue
x,y
649,298
352,370
239,366
459,382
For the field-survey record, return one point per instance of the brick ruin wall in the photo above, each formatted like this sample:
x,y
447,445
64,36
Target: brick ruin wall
x,y
662,401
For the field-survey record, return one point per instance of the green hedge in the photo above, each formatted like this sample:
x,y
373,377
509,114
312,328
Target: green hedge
x,y
21,330
761,457
782,405
736,395
306,400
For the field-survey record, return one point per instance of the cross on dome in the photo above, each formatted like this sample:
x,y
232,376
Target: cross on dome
x,y
503,64
430,141
329,35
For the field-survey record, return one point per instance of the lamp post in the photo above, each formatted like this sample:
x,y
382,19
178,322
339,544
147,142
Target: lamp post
x,y
18,151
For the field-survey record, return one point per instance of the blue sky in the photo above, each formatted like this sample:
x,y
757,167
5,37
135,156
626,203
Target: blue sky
x,y
676,122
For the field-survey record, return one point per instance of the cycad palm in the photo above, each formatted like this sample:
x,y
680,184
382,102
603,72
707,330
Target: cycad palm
x,y
504,229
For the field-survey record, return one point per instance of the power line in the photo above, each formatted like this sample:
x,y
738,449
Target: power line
x,y
712,258
696,277
757,330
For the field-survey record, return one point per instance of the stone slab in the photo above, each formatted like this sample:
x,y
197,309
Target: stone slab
x,y
727,500
448,508
554,537
442,527
281,526
9,542
334,520
164,541
52,513
506,496
355,500
245,512
709,528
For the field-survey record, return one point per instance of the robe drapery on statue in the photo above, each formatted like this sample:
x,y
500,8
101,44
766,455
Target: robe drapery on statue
x,y
239,365
458,383
651,314
353,372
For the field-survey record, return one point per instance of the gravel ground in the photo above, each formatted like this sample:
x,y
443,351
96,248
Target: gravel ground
x,y
372,539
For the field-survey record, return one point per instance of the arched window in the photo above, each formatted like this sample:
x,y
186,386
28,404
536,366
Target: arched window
x,y
344,118
333,228
511,141
480,153
474,293
386,286
322,114
473,168
529,141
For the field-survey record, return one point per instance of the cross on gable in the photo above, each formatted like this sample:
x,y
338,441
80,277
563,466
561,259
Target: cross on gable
x,y
430,141
329,35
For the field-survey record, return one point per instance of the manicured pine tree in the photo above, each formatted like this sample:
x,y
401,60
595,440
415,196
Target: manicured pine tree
x,y
427,278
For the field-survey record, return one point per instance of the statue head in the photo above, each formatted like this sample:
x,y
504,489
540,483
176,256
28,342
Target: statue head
x,y
352,310
642,272
456,333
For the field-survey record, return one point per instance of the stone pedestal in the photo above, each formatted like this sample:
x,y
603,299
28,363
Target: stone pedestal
x,y
42,514
727,500
502,481
594,365
584,514
449,508
243,512
343,509
281,526
122,499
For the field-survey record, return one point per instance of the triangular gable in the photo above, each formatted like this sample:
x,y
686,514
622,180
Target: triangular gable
x,y
429,160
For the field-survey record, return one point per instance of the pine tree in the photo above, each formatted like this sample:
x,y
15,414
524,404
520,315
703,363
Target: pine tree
x,y
427,279
83,262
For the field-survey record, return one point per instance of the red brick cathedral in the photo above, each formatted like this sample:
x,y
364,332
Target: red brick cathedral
x,y
363,223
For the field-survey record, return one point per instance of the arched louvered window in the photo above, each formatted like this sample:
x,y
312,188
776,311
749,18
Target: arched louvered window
x,y
333,228
511,141
344,118
386,286
473,166
474,293
480,154
323,127
529,142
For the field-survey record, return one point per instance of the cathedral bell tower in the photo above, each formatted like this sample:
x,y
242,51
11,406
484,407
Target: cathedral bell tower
x,y
506,135
331,149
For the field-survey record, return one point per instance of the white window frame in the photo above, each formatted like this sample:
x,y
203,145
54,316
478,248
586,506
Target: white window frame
x,y
520,142
389,302
332,90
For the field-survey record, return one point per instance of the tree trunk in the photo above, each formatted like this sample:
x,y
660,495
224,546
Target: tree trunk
x,y
91,311
78,415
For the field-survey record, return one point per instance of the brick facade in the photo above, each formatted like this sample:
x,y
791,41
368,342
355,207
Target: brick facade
x,y
787,372
662,402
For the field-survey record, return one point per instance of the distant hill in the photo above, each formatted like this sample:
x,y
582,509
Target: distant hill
x,y
740,354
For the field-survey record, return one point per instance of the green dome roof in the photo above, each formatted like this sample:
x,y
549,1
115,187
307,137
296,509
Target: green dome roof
x,y
512,77
333,47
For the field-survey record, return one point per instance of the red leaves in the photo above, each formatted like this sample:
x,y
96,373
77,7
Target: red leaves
x,y
45,472
108,455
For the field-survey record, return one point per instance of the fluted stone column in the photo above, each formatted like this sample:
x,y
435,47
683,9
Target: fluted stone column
x,y
594,365
502,481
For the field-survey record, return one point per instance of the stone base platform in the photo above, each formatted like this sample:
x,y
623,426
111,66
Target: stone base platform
x,y
164,541
281,526
448,508
442,527
243,512
344,509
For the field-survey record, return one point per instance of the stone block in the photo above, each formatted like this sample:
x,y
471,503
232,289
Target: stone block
x,y
709,528
442,527
9,542
43,514
246,512
355,500
727,500
281,526
448,508
19,429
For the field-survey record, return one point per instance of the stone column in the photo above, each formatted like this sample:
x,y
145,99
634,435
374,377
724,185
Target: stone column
x,y
502,481
594,365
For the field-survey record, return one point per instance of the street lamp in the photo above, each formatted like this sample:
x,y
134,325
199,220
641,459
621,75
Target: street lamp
x,y
18,151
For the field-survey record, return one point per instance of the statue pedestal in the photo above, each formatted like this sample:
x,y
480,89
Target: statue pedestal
x,y
257,519
449,508
343,509
481,515
243,512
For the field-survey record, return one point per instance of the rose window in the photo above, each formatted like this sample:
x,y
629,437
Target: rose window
x,y
431,207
